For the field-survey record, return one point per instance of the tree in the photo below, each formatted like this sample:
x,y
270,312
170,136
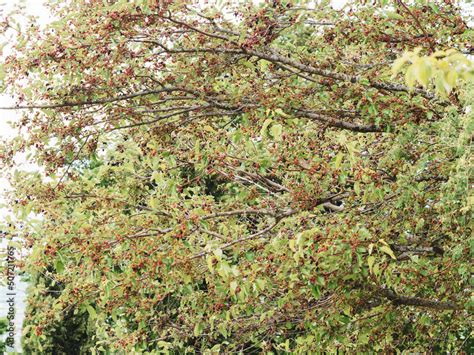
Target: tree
x,y
251,178
3,330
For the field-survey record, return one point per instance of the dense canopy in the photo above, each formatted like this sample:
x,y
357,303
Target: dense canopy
x,y
273,176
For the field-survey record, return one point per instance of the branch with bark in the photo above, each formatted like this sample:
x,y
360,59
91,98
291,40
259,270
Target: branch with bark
x,y
417,301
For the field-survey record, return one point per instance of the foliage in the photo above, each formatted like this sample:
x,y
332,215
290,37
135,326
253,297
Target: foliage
x,y
67,333
443,67
3,330
242,177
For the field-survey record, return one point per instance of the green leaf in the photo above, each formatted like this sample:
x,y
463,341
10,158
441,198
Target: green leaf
x,y
394,15
59,266
222,330
91,311
339,157
263,131
280,112
107,289
198,329
386,249
363,338
370,262
276,131
250,256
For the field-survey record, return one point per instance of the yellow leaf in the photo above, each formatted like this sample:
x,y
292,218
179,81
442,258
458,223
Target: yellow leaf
x,y
233,287
440,88
280,112
338,161
209,129
210,263
394,15
370,262
386,249
292,245
422,71
451,77
371,248
153,203
398,64
276,131
267,123
439,54
410,78
218,253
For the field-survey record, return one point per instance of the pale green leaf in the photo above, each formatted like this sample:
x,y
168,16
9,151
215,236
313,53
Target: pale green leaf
x,y
387,250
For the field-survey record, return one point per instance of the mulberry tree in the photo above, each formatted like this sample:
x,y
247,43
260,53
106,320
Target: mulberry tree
x,y
277,176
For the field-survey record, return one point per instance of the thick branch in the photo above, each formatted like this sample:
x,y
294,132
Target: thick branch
x,y
334,122
240,240
417,301
93,102
283,213
279,59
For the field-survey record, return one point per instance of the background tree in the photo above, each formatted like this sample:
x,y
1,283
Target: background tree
x,y
242,177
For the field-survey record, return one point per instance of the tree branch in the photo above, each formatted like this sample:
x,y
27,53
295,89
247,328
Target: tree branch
x,y
334,122
93,102
417,301
240,240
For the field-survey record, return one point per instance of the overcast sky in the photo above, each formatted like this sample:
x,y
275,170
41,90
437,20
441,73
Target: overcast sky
x,y
33,7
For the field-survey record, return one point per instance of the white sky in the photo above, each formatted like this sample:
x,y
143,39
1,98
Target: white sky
x,y
36,8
